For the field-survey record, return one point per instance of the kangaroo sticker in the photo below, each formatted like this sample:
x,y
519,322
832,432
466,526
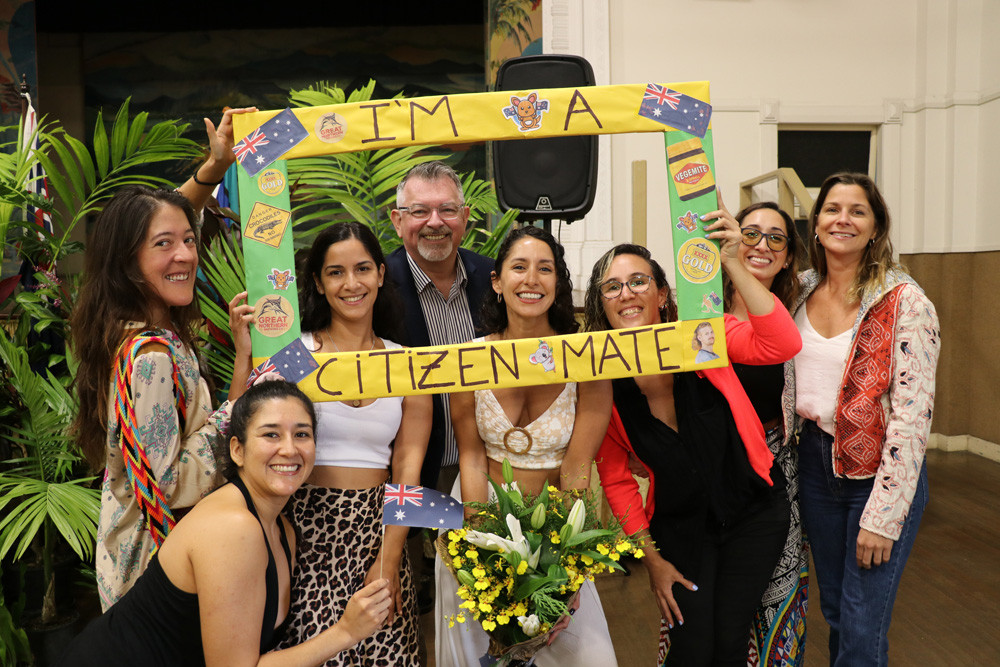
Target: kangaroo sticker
x,y
526,112
280,280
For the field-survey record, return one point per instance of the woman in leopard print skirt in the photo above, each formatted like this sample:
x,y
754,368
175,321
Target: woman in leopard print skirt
x,y
360,444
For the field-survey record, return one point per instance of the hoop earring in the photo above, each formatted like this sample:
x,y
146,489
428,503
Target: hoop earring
x,y
816,237
499,297
871,242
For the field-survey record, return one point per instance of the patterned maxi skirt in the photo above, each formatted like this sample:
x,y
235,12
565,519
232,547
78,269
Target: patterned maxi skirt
x,y
778,634
340,535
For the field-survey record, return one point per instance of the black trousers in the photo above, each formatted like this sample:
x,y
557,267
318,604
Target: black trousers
x,y
737,563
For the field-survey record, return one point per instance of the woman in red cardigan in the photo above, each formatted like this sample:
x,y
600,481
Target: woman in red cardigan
x,y
717,512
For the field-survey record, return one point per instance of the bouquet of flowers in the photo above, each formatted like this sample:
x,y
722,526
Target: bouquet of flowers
x,y
521,559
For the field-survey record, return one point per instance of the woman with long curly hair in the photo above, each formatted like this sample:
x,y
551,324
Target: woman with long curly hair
x,y
549,433
145,410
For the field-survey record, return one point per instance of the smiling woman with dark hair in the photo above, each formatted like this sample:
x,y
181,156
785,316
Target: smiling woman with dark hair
x,y
216,592
549,433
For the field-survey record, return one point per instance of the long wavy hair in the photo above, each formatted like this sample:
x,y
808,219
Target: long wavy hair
x,y
112,293
315,309
594,317
493,313
877,259
786,283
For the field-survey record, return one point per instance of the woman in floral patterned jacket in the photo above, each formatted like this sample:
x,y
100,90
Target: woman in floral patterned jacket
x,y
145,409
863,387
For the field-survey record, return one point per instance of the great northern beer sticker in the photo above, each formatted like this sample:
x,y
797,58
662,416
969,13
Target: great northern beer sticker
x,y
273,315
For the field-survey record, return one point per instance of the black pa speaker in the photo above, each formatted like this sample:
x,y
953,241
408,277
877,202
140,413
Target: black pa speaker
x,y
546,178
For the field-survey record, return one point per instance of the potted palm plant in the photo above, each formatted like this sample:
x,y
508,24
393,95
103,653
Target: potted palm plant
x,y
48,503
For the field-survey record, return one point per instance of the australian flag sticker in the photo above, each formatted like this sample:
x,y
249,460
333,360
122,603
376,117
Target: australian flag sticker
x,y
679,111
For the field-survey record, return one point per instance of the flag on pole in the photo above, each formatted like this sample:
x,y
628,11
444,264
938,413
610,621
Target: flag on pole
x,y
36,182
421,508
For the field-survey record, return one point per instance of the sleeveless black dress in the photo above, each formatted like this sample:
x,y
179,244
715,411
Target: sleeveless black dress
x,y
157,624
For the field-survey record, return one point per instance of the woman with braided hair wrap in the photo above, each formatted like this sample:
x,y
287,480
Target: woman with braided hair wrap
x,y
145,409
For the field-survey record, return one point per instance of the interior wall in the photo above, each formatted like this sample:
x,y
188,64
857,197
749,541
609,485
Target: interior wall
x,y
926,74
966,400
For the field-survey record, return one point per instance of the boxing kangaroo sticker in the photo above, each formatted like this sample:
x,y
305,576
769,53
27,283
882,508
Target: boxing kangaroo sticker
x,y
526,112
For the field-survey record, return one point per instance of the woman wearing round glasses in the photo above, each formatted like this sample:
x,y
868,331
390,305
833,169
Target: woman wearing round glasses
x,y
771,252
717,512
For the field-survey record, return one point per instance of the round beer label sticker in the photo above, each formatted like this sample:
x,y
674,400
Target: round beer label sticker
x,y
271,182
331,128
698,260
274,315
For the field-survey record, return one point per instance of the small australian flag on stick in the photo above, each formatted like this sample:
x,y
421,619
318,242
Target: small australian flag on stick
x,y
293,362
270,141
679,111
420,507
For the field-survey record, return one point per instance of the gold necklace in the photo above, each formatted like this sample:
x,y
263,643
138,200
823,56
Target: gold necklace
x,y
356,402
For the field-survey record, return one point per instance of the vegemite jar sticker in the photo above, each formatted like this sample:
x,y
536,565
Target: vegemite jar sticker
x,y
698,260
274,315
331,128
271,182
689,169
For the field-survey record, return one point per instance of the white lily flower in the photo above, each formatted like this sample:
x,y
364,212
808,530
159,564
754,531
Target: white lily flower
x,y
490,541
577,517
510,487
530,624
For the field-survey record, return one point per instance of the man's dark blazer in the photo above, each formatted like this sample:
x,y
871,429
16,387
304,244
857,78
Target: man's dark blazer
x,y
477,270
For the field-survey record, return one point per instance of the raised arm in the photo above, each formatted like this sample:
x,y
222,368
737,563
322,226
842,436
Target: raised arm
x,y
593,412
210,173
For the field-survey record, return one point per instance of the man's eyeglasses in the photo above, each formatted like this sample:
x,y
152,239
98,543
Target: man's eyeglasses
x,y
637,284
445,211
775,241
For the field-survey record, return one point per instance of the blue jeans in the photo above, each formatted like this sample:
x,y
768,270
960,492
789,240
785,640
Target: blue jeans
x,y
857,603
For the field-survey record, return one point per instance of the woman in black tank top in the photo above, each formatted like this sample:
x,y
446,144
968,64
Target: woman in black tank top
x,y
216,593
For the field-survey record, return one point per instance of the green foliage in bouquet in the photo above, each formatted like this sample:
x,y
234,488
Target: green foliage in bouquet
x,y
522,558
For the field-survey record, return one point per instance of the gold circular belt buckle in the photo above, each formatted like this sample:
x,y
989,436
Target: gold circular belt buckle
x,y
517,429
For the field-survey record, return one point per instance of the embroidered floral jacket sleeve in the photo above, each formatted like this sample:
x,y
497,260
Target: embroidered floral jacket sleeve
x,y
184,463
908,407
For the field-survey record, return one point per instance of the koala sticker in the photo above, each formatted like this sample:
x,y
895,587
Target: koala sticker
x,y
543,356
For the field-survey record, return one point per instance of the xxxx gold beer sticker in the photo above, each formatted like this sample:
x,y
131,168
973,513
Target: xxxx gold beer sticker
x,y
331,128
271,182
266,224
698,260
274,315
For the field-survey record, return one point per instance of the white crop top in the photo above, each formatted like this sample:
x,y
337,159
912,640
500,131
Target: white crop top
x,y
356,437
819,368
